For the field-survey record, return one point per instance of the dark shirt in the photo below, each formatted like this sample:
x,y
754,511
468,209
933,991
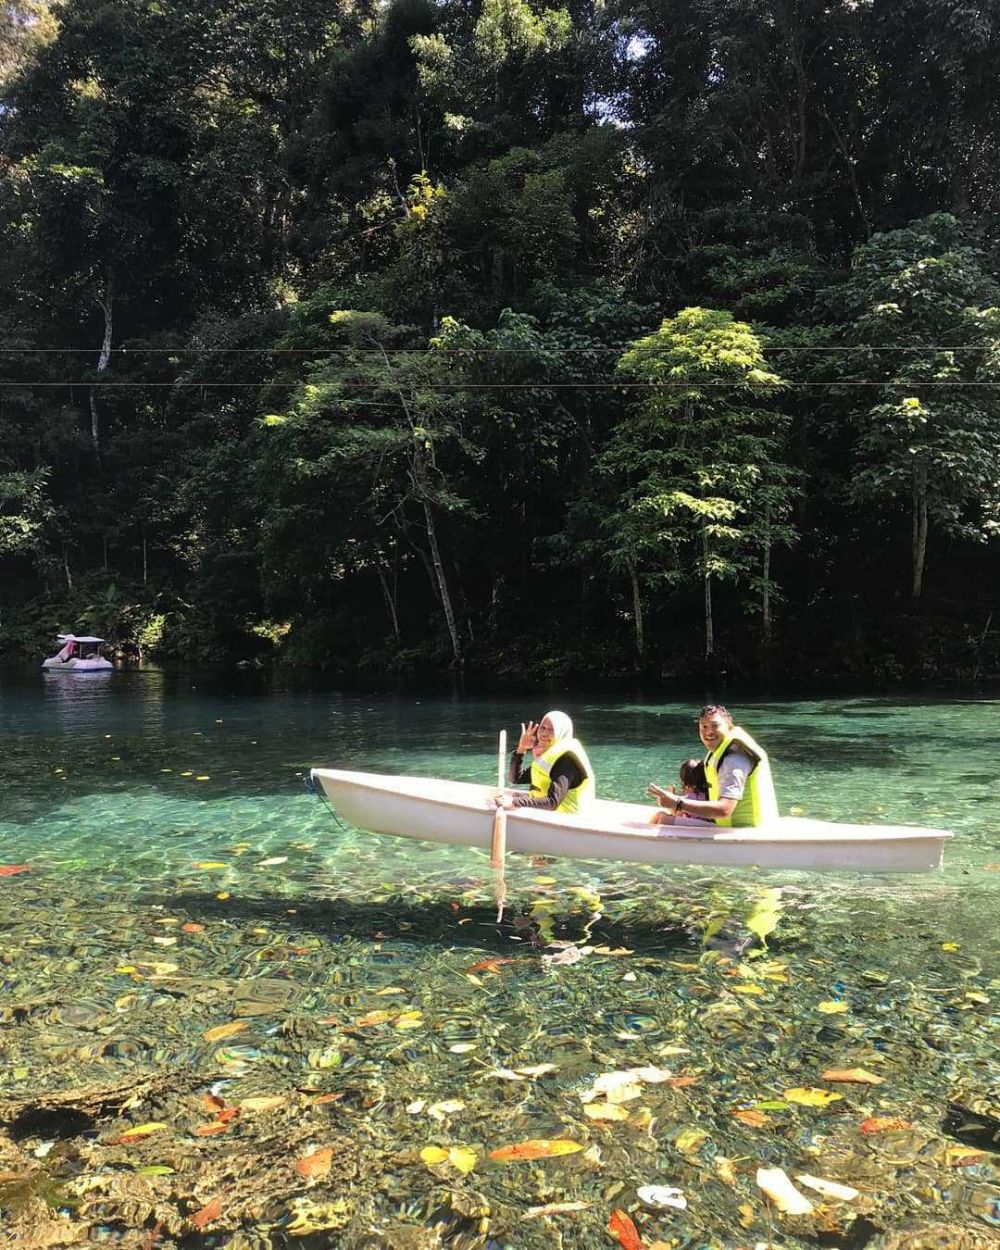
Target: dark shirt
x,y
567,773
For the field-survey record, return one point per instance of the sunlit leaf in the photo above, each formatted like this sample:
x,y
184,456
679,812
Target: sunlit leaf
x,y
689,1139
756,1119
211,1130
535,1148
883,1124
142,1130
621,1226
832,1007
225,1030
433,1155
266,1102
859,1076
316,1164
463,1158
410,1020
807,1096
954,1156
765,914
605,1111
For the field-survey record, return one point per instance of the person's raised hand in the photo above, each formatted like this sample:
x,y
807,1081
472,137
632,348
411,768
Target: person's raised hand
x,y
529,736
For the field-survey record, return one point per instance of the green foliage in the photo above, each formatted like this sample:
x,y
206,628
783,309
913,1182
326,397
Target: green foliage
x,y
332,336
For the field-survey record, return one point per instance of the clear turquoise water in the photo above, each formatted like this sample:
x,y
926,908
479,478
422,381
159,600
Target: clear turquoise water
x,y
118,789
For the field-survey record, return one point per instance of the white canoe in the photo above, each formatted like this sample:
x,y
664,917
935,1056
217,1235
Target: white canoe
x,y
461,813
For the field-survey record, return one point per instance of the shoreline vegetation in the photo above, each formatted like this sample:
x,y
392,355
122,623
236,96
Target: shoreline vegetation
x,y
435,337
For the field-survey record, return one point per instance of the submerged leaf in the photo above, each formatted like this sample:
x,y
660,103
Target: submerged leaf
x,y
832,1007
605,1111
829,1189
554,1208
883,1124
621,1226
535,1148
433,1155
210,1212
316,1164
859,1076
807,1096
779,1188
225,1030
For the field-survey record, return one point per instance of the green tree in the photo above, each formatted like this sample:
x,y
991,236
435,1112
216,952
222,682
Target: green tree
x,y
923,330
692,454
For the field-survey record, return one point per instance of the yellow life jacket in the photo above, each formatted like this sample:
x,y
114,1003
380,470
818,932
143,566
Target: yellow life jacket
x,y
759,804
577,799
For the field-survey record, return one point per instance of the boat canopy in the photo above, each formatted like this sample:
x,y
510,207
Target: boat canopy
x,y
78,638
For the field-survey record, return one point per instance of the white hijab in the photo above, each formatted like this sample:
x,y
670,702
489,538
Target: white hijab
x,y
562,726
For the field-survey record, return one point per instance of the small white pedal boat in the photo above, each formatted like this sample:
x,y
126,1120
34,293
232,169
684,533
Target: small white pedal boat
x,y
461,813
80,653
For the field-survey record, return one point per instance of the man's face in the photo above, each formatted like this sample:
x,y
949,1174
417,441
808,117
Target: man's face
x,y
713,729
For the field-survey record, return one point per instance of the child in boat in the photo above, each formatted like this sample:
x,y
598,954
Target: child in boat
x,y
694,785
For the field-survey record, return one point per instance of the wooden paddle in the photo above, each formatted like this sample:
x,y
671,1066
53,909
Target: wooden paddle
x,y
498,845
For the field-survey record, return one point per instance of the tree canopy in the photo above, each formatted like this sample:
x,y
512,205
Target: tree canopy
x,y
513,336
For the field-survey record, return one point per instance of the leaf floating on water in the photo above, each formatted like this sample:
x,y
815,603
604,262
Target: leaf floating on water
x,y
316,1164
620,1225
859,1076
225,1030
662,1196
555,1208
807,1096
832,1007
778,1187
829,1189
208,1214
605,1111
535,1148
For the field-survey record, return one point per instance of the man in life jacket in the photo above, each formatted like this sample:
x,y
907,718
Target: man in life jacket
x,y
740,789
559,772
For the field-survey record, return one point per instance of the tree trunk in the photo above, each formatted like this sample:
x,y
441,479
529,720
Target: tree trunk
x,y
145,559
106,306
640,632
709,626
69,575
919,536
390,604
442,583
766,594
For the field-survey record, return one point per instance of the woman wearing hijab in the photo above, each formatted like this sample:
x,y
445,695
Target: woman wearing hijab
x,y
559,772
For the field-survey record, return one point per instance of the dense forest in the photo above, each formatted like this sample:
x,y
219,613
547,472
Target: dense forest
x,y
583,340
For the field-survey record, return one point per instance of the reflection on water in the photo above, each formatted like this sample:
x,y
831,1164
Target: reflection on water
x,y
182,882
